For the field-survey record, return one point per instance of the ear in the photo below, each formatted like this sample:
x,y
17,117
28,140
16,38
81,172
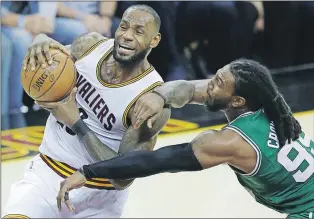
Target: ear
x,y
238,101
155,41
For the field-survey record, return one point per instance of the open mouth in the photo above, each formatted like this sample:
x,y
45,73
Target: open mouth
x,y
125,47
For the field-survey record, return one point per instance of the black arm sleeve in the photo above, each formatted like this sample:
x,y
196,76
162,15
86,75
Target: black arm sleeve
x,y
145,163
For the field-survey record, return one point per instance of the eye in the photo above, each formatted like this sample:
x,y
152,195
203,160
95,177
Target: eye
x,y
140,32
123,26
218,82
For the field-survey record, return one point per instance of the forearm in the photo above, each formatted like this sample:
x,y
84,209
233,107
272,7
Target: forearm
x,y
64,11
98,150
177,93
133,140
108,9
10,19
145,163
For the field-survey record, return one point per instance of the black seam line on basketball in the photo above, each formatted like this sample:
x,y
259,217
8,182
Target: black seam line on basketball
x,y
30,83
54,81
71,87
92,48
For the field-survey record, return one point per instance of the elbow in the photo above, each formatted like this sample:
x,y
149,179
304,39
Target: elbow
x,y
184,93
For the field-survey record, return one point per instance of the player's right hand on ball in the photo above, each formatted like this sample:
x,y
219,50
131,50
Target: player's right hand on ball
x,y
38,52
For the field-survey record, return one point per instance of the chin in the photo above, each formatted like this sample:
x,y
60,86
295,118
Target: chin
x,y
212,108
122,59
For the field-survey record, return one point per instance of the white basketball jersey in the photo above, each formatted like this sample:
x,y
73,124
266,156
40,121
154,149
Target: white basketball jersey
x,y
104,108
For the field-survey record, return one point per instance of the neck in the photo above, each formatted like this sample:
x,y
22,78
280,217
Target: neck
x,y
128,71
232,114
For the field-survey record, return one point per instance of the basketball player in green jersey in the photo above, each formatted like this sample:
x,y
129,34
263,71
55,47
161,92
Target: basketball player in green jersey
x,y
263,143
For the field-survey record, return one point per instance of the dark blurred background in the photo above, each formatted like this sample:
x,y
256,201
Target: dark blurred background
x,y
197,39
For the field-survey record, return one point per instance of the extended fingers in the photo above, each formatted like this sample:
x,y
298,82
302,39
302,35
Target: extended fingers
x,y
47,53
40,57
26,60
32,59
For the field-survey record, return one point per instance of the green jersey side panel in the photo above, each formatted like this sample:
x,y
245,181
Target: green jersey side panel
x,y
283,178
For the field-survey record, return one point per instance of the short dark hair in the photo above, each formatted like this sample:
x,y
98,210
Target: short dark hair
x,y
149,10
254,82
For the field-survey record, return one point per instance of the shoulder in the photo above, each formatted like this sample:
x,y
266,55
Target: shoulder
x,y
225,141
84,43
218,147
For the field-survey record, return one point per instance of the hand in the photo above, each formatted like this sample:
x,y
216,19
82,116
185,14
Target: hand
x,y
75,181
259,25
148,106
40,45
65,111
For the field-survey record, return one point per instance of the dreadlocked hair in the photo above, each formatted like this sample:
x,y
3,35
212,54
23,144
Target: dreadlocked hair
x,y
254,82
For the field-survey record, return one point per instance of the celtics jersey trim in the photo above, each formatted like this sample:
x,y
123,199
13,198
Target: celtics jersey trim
x,y
254,146
283,177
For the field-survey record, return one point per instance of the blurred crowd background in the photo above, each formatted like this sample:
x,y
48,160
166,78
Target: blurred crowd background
x,y
197,37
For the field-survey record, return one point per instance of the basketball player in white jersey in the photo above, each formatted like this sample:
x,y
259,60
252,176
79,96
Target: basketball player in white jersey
x,y
112,75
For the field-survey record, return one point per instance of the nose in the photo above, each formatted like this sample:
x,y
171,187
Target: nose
x,y
128,35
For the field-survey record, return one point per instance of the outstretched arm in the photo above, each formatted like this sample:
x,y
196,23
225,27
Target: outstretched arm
x,y
174,93
134,139
178,93
207,150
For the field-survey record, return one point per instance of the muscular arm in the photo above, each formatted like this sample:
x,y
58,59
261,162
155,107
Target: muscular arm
x,y
207,150
83,43
133,140
178,93
42,42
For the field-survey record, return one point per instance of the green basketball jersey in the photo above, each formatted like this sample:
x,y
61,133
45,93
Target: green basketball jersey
x,y
283,178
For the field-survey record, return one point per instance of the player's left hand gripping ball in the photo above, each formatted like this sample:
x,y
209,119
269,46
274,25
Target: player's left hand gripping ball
x,y
75,181
65,111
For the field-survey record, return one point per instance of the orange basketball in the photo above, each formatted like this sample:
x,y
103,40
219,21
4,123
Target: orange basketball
x,y
52,83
